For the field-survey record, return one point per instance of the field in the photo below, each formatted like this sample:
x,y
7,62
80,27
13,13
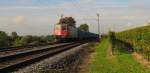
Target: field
x,y
139,38
104,62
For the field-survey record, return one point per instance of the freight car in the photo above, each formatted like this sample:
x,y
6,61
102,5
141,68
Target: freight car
x,y
63,32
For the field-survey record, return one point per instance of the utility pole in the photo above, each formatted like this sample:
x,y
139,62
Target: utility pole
x,y
98,15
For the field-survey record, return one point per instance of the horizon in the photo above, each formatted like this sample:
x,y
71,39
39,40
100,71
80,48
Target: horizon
x,y
37,17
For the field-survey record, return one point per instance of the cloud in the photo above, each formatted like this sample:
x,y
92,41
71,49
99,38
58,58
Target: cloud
x,y
18,19
41,17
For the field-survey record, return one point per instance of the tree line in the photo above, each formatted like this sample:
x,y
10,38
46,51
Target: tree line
x,y
15,40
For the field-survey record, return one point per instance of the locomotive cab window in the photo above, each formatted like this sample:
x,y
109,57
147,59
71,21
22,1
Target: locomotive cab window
x,y
58,27
64,27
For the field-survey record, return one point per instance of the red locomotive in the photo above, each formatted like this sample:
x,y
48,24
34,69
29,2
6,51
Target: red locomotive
x,y
66,32
61,31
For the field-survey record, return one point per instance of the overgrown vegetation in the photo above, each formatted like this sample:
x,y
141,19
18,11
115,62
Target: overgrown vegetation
x,y
139,38
103,62
119,46
84,27
15,40
4,39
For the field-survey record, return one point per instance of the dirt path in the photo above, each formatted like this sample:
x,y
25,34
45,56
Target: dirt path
x,y
84,67
109,52
143,61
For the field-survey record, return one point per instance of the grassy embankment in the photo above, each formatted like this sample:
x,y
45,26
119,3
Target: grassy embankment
x,y
104,62
139,38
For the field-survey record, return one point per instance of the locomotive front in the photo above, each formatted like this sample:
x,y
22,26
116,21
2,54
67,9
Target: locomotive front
x,y
61,31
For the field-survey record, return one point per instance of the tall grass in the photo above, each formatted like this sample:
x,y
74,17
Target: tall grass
x,y
119,45
122,63
139,38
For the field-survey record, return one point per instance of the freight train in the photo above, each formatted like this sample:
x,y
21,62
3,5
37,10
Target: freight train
x,y
63,32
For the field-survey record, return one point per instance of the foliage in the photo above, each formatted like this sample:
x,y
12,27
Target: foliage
x,y
103,62
15,40
21,41
32,39
42,39
14,35
111,36
139,38
50,38
84,27
119,45
68,20
4,39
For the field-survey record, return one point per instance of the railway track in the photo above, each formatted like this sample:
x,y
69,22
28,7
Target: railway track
x,y
12,62
12,51
24,47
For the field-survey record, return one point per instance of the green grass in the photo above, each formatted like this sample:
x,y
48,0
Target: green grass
x,y
139,38
123,63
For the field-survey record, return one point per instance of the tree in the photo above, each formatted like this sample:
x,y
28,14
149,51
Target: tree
x,y
84,27
68,20
42,39
21,41
14,35
29,38
35,40
50,38
32,40
4,39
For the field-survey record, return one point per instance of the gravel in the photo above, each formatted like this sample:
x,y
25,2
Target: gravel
x,y
65,62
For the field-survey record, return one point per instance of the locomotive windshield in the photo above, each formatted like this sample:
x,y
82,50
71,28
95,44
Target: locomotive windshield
x,y
58,27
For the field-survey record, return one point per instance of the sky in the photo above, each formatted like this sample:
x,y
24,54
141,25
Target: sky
x,y
38,17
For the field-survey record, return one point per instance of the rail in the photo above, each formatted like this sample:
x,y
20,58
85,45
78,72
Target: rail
x,y
13,62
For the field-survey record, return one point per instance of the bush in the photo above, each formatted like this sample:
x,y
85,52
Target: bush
x,y
119,45
21,41
4,39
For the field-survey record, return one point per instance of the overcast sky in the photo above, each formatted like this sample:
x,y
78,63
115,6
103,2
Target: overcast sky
x,y
37,17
